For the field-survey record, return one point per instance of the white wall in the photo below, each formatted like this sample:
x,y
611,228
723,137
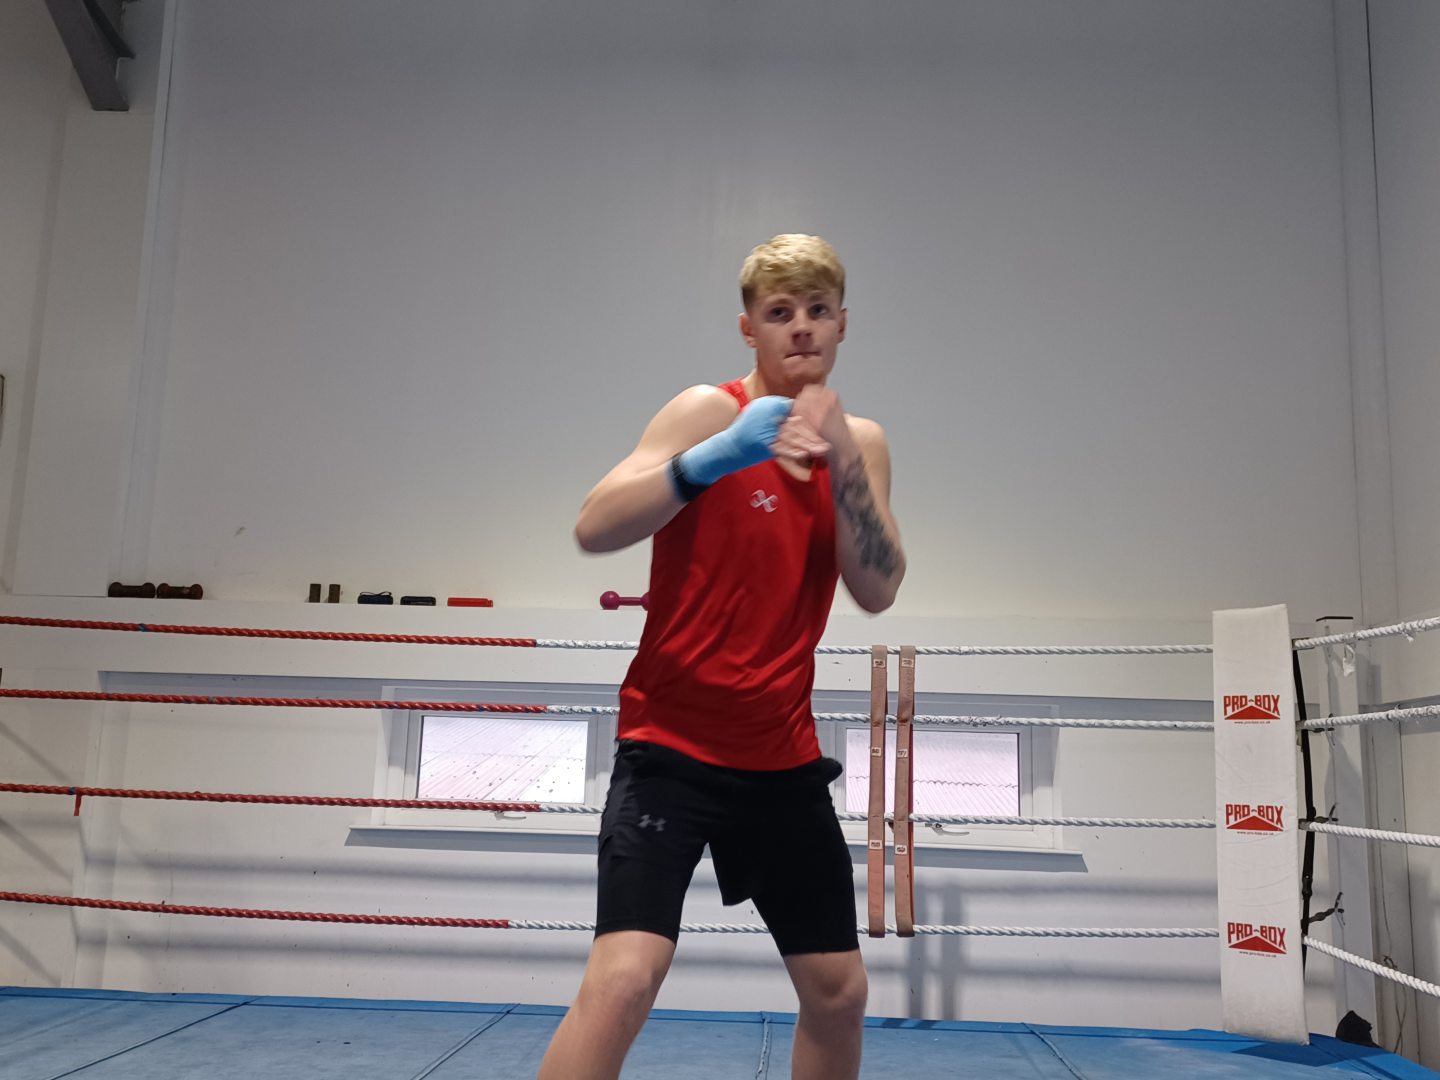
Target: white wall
x,y
418,284
36,87
92,277
1405,38
37,90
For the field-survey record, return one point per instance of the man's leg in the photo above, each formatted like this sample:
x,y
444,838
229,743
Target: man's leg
x,y
649,845
832,988
801,878
621,980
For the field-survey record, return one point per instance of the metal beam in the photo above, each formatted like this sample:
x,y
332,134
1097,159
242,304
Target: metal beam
x,y
107,16
90,32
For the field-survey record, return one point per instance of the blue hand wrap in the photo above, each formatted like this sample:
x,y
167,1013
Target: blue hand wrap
x,y
744,443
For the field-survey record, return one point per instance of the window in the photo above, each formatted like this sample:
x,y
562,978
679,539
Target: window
x,y
1000,772
953,773
485,757
499,757
562,759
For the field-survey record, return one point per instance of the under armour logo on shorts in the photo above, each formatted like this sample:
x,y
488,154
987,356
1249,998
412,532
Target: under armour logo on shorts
x,y
768,502
647,821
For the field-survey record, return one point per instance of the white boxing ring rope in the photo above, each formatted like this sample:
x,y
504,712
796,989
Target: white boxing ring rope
x,y
930,650
1373,968
923,720
1415,839
1352,637
947,721
939,931
1030,721
1396,716
856,816
1062,822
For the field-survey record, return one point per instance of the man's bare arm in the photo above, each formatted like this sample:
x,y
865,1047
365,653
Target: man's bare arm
x,y
872,562
867,540
637,497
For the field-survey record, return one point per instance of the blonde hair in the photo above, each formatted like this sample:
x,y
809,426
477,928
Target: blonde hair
x,y
793,263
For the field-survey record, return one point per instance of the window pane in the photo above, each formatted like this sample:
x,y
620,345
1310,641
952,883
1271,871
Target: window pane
x,y
955,772
507,759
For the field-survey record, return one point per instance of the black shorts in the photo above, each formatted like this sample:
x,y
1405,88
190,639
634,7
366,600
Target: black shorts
x,y
773,838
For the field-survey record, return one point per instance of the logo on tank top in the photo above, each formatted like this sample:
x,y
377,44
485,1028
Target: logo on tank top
x,y
647,822
760,501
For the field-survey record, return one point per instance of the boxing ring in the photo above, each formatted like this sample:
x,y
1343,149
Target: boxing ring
x,y
47,1034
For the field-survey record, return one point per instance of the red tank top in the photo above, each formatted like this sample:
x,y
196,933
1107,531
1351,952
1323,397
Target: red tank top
x,y
741,582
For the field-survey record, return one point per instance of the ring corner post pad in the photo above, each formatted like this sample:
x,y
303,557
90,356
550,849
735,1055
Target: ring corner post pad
x,y
875,830
1262,983
904,796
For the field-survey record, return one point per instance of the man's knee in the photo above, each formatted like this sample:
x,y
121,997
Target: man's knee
x,y
846,999
625,972
834,988
626,980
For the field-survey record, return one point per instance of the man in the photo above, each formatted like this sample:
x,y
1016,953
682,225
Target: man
x,y
759,493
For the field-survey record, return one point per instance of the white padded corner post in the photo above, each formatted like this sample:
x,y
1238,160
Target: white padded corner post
x,y
1261,981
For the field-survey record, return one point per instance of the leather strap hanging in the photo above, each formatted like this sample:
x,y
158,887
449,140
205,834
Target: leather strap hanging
x,y
904,796
875,855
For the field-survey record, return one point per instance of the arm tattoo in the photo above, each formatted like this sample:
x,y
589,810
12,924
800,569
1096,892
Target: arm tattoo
x,y
854,499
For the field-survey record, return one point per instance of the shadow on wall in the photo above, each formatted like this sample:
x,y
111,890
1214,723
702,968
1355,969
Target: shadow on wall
x,y
931,964
51,772
351,941
13,949
23,833
574,872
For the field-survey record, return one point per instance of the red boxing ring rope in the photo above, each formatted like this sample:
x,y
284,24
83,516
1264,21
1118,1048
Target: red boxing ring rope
x,y
254,913
278,800
286,703
294,635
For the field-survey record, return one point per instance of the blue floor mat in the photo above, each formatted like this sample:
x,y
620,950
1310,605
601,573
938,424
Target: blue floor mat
x,y
112,1035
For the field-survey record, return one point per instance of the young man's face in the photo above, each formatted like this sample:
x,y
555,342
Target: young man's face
x,y
795,337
